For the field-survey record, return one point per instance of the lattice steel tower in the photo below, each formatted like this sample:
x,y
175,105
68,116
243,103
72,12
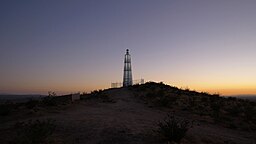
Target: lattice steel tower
x,y
127,81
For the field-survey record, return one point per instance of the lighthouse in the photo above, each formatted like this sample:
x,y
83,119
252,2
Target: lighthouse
x,y
127,79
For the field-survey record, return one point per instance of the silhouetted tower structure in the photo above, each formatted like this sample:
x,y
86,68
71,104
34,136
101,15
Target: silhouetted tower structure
x,y
127,81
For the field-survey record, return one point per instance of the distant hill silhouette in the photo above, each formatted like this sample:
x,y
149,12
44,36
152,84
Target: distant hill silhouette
x,y
248,97
19,98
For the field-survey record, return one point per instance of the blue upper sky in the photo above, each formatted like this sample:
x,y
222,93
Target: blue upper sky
x,y
79,45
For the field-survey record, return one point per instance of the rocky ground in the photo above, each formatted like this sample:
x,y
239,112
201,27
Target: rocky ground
x,y
119,118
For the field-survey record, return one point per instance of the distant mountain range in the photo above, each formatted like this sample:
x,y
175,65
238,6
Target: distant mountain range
x,y
249,97
19,98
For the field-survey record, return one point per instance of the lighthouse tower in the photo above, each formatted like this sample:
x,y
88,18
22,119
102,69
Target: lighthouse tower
x,y
127,80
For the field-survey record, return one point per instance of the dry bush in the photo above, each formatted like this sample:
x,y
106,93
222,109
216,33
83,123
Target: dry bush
x,y
173,129
34,132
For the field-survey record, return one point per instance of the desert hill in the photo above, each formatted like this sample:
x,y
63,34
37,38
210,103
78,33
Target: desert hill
x,y
130,115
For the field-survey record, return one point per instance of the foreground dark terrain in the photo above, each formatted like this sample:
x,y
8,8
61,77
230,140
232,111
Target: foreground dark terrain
x,y
129,115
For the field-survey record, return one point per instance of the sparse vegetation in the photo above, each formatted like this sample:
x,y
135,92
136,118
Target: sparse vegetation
x,y
50,100
173,129
220,109
99,95
204,108
156,94
34,132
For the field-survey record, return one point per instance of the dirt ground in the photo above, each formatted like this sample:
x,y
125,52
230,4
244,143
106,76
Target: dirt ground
x,y
125,120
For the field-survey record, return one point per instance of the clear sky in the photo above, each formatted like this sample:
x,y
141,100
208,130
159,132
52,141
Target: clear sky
x,y
79,45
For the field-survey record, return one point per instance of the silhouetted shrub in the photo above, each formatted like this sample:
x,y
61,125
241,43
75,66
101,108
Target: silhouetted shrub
x,y
165,101
205,93
216,94
100,95
34,132
50,100
172,129
96,92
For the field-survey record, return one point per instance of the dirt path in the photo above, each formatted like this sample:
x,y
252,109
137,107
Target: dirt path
x,y
128,120
94,122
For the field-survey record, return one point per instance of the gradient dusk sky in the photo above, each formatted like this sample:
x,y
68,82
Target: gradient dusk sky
x,y
79,45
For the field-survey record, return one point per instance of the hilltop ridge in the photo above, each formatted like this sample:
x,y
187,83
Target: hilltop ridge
x,y
131,115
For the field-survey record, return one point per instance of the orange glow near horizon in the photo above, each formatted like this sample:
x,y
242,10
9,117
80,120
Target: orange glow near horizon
x,y
222,89
83,87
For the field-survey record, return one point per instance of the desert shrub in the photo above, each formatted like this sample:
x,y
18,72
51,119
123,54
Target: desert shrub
x,y
96,92
50,100
205,93
34,132
101,96
216,95
165,101
172,129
